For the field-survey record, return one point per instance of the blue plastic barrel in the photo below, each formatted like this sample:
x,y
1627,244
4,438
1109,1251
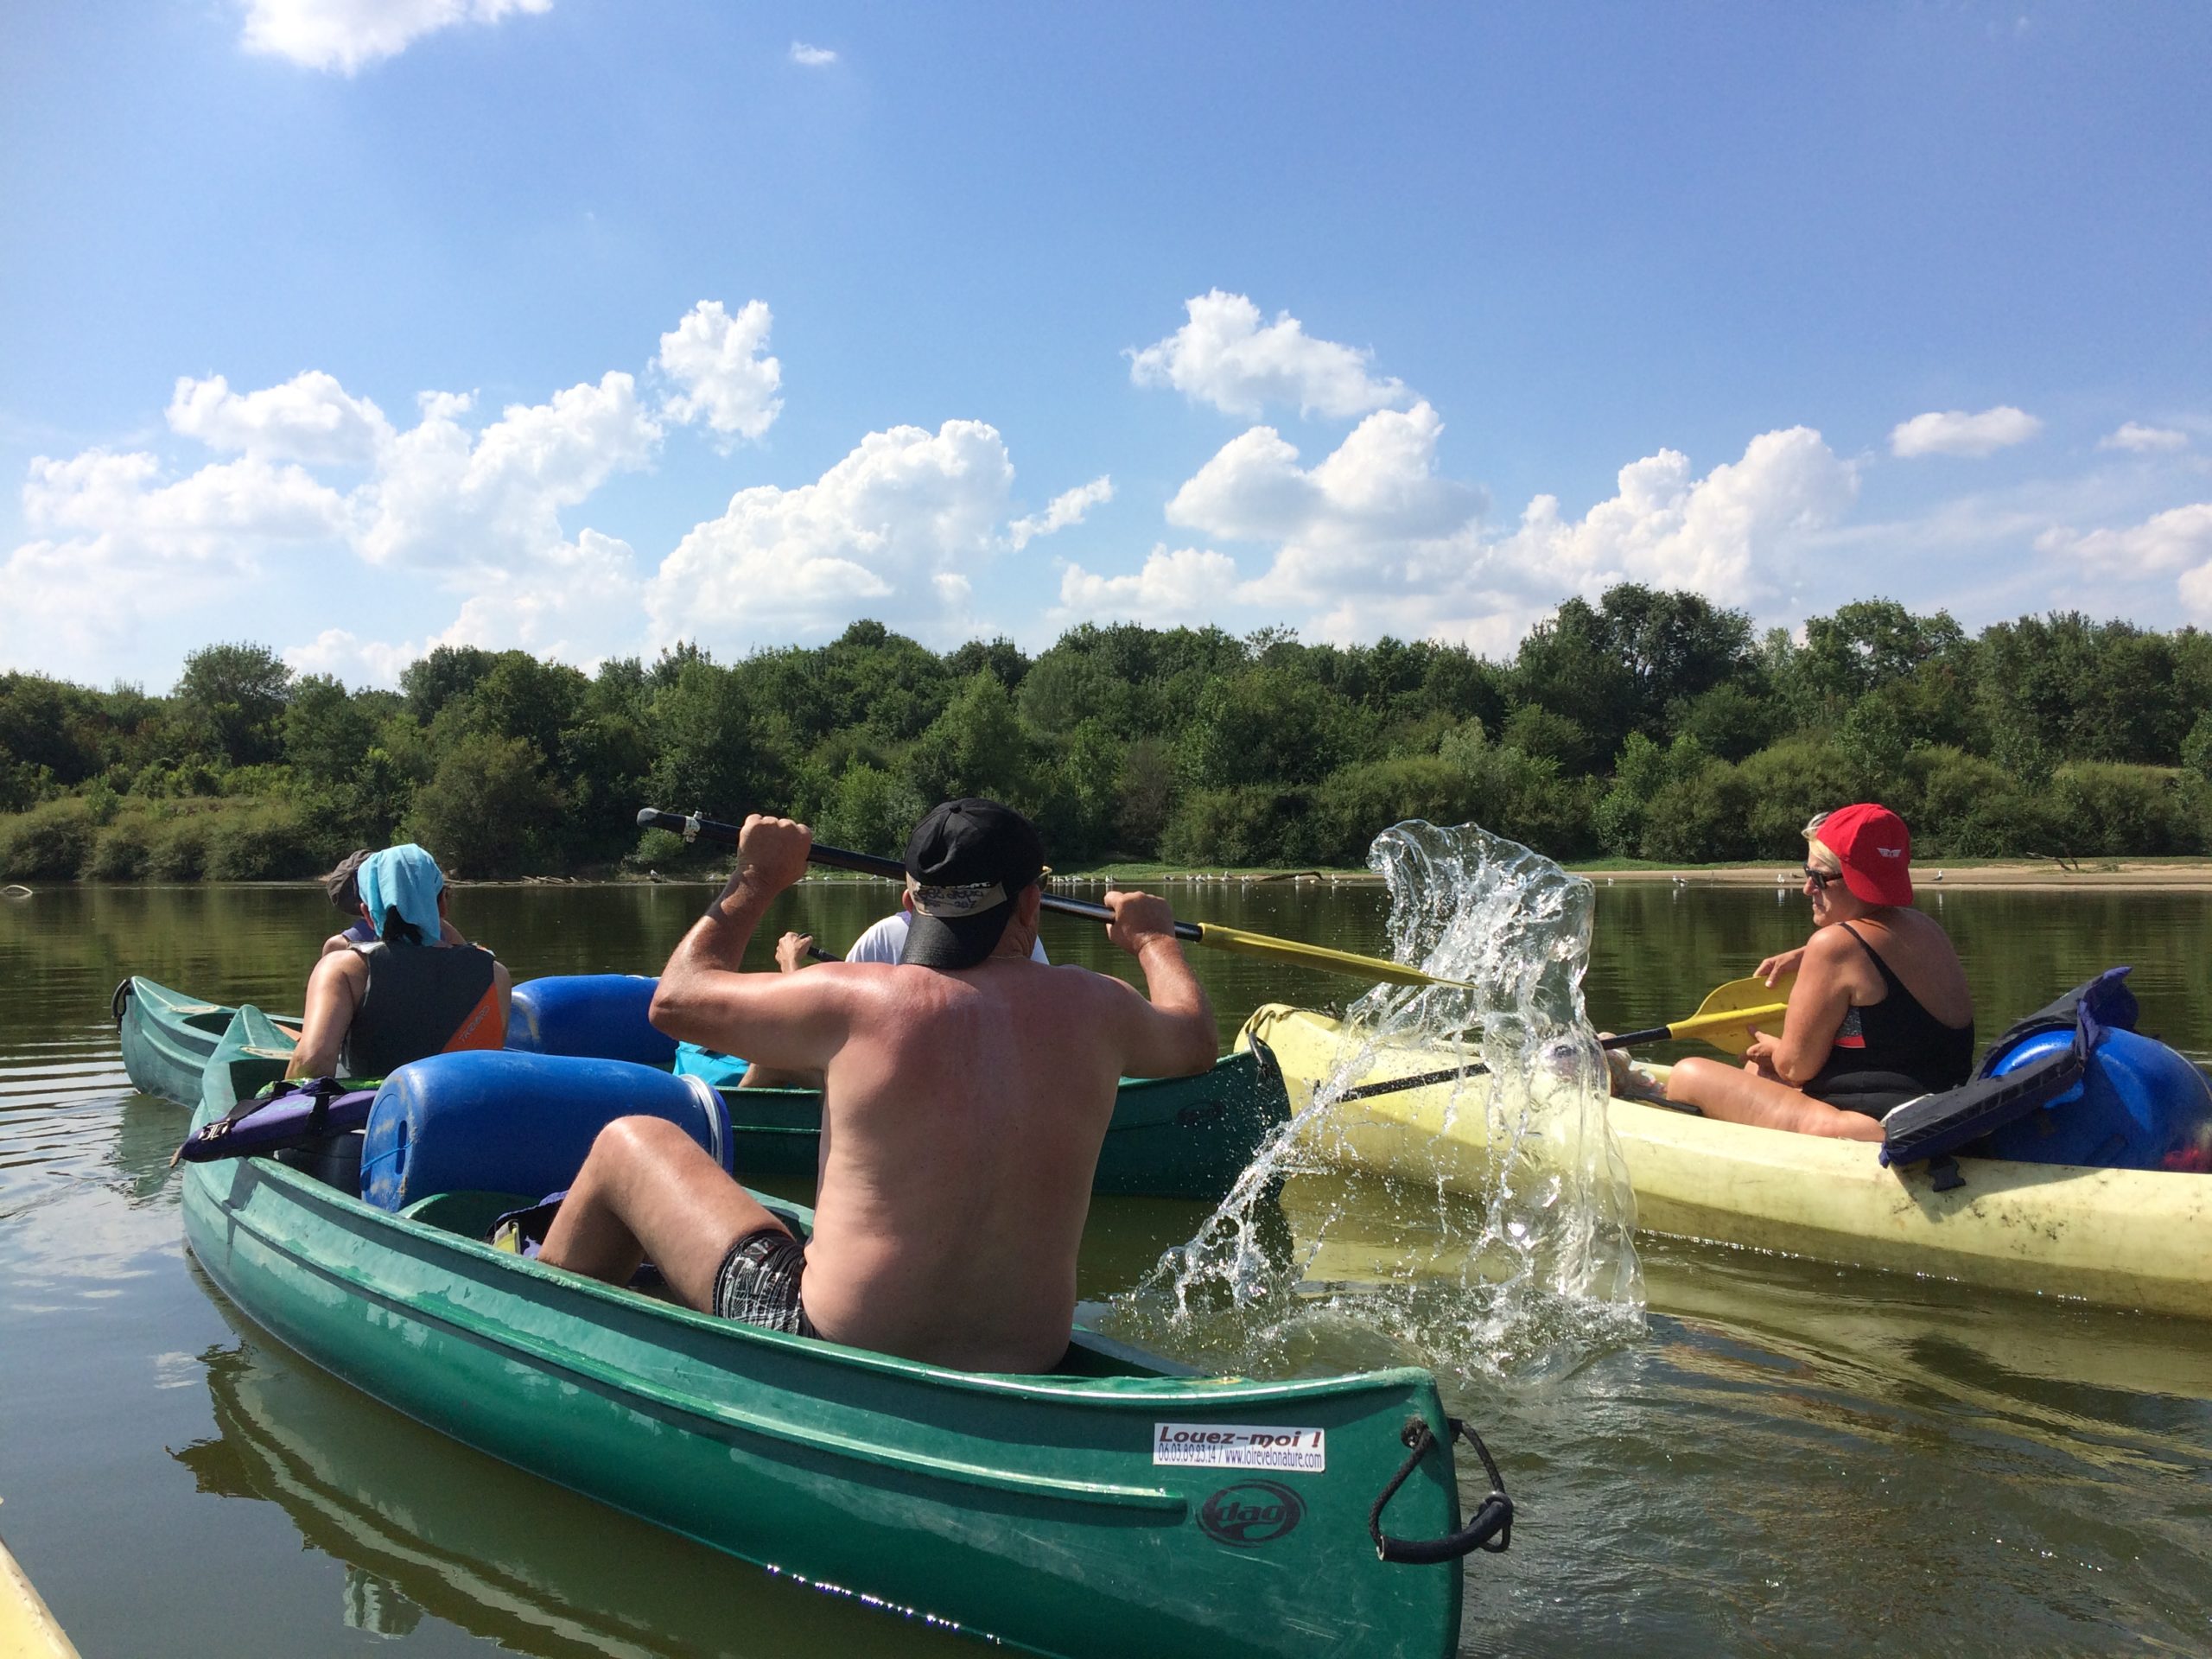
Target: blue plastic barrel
x,y
594,1016
2139,1106
491,1120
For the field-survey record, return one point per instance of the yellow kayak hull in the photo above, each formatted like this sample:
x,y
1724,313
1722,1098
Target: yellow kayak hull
x,y
2116,1238
28,1628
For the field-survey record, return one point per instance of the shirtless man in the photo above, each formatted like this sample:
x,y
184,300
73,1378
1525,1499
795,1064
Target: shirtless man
x,y
969,1089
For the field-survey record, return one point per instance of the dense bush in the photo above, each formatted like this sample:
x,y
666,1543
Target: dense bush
x,y
2111,808
180,849
267,844
1250,824
1355,802
1791,780
50,842
124,851
1705,814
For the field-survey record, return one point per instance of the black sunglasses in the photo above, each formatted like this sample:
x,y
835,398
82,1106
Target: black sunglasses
x,y
1820,878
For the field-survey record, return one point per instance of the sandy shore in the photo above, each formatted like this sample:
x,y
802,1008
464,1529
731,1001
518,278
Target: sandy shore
x,y
2042,875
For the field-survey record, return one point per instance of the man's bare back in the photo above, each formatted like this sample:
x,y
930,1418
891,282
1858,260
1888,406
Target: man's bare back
x,y
962,1118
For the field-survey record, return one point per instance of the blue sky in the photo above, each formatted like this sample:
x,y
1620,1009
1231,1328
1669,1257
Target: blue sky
x,y
352,327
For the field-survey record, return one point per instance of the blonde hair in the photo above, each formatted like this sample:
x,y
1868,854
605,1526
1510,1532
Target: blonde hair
x,y
1817,852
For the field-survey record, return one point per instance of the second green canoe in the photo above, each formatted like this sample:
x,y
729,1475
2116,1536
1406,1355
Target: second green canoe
x,y
1170,1138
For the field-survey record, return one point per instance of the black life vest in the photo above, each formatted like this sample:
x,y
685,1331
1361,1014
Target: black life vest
x,y
421,1000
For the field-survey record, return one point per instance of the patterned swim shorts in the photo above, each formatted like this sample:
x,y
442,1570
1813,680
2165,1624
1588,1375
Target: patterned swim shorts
x,y
759,1282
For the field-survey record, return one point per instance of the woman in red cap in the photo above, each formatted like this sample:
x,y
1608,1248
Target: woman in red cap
x,y
1880,1014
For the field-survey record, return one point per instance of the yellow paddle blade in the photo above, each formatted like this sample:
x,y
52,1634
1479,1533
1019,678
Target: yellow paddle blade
x,y
1316,955
1725,1018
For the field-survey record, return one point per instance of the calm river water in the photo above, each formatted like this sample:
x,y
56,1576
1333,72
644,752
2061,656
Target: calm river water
x,y
1789,1457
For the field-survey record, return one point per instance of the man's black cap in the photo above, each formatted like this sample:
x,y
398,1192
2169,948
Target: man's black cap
x,y
342,884
966,862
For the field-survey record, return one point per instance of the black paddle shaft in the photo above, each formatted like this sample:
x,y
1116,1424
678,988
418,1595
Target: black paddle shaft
x,y
695,827
1427,1079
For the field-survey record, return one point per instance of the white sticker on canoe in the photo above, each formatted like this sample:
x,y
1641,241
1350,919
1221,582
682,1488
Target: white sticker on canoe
x,y
1241,1445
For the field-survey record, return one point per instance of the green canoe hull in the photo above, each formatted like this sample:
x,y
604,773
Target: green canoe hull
x,y
168,1038
1171,1137
1033,1510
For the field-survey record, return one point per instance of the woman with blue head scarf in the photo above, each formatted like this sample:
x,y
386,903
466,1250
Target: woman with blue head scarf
x,y
418,988
343,884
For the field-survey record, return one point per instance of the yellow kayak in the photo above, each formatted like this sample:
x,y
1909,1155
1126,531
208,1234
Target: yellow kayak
x,y
2116,1238
27,1630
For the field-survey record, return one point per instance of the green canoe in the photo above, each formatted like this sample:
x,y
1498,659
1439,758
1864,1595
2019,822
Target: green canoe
x,y
1171,1137
1119,1505
168,1038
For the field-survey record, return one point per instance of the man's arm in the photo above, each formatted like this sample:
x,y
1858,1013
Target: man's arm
x,y
1172,1034
779,1019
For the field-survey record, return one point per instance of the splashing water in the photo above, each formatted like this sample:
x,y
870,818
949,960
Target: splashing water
x,y
1299,1267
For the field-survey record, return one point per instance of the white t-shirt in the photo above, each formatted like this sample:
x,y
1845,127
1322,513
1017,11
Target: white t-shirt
x,y
886,940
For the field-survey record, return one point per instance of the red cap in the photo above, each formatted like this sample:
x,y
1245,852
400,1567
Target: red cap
x,y
1870,843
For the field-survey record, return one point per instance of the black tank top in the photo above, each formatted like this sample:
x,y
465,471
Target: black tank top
x,y
1897,1037
421,1000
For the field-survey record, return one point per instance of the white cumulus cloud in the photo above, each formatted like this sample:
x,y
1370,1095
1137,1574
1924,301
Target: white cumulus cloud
x,y
1372,541
115,540
1370,523
343,655
1190,584
811,57
447,499
575,600
2143,440
895,527
228,505
1727,535
2166,541
310,418
720,364
1380,485
1064,511
345,36
1225,355
457,502
1954,432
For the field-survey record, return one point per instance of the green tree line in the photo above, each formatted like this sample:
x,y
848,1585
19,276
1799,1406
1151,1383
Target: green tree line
x,y
1650,724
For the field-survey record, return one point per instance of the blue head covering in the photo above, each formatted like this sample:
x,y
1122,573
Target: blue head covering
x,y
403,879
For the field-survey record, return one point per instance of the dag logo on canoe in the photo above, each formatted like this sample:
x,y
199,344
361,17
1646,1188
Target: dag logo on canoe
x,y
1251,1512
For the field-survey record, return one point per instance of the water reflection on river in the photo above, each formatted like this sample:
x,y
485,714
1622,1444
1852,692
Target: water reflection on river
x,y
1793,1457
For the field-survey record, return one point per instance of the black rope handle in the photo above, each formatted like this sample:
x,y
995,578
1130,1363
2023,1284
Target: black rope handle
x,y
122,997
1490,1527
